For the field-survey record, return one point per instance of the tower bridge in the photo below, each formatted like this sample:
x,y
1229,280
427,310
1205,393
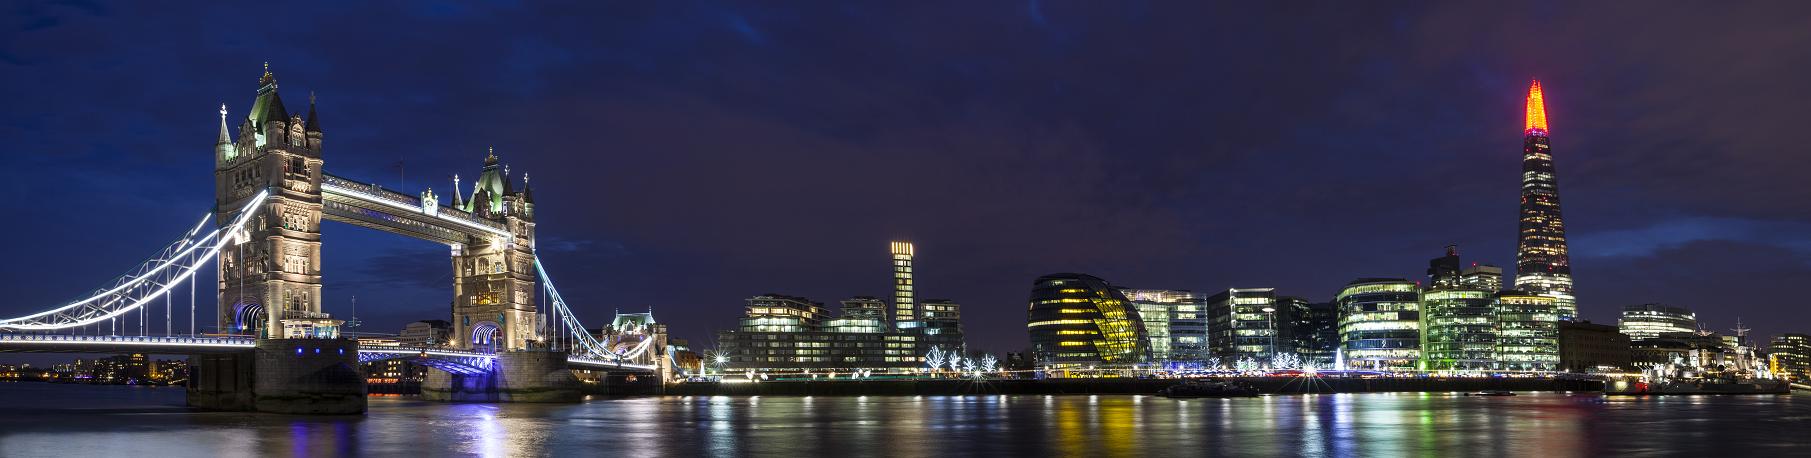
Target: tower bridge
x,y
515,338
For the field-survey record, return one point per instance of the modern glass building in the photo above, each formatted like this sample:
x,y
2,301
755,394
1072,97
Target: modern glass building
x,y
1244,324
1157,308
1791,355
1317,335
1649,321
1527,332
1458,323
1380,324
1078,320
1542,265
1188,330
782,334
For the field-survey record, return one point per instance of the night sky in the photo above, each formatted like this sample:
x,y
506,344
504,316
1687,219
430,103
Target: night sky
x,y
688,156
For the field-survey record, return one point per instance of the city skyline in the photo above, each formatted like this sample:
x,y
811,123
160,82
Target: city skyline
x,y
1180,184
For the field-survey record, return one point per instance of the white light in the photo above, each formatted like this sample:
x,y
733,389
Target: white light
x,y
417,209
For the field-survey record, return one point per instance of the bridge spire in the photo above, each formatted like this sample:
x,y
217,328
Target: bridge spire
x,y
223,146
458,201
312,124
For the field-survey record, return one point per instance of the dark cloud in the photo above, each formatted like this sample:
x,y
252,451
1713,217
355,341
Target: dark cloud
x,y
688,155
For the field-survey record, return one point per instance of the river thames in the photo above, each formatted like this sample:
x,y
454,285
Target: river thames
x,y
72,420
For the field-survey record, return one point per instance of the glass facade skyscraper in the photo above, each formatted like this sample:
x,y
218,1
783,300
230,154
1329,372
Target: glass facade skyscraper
x,y
1542,265
1077,320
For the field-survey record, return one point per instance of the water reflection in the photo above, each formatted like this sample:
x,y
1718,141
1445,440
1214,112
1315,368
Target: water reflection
x,y
77,420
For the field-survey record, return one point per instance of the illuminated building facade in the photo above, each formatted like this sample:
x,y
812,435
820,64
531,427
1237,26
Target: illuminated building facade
x,y
1174,326
426,333
782,334
905,308
1791,355
1527,331
1458,322
1484,277
1247,323
1078,320
1650,321
1380,323
940,316
1542,266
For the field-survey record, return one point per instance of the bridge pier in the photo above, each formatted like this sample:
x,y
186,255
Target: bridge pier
x,y
294,376
519,376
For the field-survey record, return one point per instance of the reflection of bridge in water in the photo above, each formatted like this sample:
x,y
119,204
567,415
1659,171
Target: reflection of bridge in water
x,y
515,338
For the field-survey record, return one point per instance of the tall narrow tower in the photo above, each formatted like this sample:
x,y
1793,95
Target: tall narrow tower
x,y
274,272
905,311
1541,264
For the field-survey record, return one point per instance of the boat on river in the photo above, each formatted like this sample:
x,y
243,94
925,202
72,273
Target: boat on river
x,y
1208,389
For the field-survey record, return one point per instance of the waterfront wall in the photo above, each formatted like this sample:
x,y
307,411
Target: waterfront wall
x,y
296,376
1268,385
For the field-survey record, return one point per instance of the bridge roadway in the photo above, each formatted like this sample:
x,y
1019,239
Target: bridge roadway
x,y
184,345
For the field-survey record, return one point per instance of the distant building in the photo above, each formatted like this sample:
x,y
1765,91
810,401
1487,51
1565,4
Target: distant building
x,y
1244,324
1380,321
787,334
1791,355
940,316
426,333
1527,331
1458,322
1078,320
905,310
1482,277
1648,321
1173,324
1588,347
1317,335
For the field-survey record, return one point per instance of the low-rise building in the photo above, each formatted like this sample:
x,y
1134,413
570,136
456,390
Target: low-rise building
x,y
1589,347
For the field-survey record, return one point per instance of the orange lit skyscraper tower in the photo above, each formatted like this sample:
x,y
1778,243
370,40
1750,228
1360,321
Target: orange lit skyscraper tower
x,y
1541,264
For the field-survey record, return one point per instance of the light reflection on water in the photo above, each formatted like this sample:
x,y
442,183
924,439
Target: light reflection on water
x,y
63,420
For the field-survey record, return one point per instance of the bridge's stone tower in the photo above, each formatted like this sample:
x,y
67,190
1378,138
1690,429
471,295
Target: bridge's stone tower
x,y
494,278
276,272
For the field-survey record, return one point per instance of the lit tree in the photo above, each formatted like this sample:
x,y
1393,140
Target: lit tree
x,y
955,361
970,365
989,363
934,359
1285,361
1212,363
1247,364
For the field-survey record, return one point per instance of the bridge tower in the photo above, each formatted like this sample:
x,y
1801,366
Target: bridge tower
x,y
274,272
494,277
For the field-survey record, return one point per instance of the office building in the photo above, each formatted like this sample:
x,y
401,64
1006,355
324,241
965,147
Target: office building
x,y
1173,324
1483,277
1587,347
1649,321
1791,355
1542,265
788,334
1317,335
1527,331
1458,323
1078,320
1380,324
905,308
1248,324
426,333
